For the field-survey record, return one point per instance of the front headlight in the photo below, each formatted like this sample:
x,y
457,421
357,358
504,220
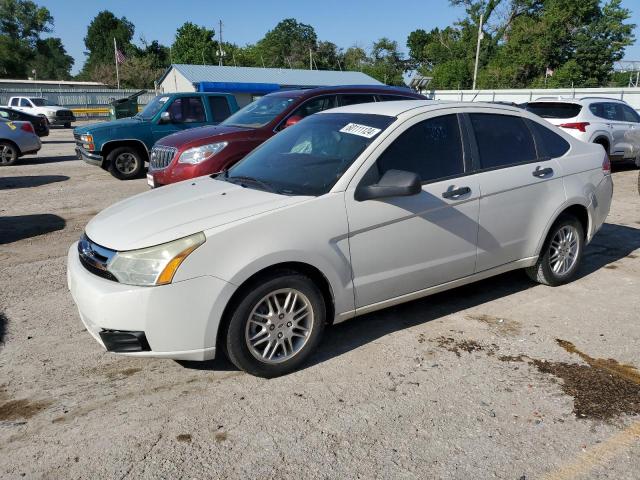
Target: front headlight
x,y
200,154
154,265
87,141
51,112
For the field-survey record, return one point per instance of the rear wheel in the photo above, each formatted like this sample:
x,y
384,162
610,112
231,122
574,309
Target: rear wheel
x,y
8,154
125,163
67,125
560,257
276,326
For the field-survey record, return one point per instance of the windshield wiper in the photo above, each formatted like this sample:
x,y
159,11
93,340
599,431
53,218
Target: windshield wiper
x,y
244,179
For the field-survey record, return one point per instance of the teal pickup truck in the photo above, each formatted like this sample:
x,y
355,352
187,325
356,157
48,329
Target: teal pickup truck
x,y
122,146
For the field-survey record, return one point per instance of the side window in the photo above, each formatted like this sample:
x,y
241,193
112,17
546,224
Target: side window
x,y
25,103
630,115
14,102
432,149
219,108
502,140
550,144
353,99
187,110
315,105
604,110
391,98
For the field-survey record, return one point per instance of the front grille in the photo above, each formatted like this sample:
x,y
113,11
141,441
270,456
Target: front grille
x,y
95,258
161,157
64,113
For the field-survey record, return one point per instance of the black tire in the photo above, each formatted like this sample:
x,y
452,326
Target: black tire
x,y
543,271
240,324
8,154
67,125
125,163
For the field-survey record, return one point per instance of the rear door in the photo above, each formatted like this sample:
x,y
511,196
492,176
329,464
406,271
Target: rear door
x,y
520,188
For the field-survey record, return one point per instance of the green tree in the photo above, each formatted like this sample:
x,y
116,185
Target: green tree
x,y
386,63
51,60
99,40
355,59
21,24
327,57
158,55
194,44
287,45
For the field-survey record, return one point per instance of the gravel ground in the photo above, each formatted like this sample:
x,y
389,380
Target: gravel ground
x,y
468,384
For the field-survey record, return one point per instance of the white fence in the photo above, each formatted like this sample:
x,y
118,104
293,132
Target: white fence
x,y
629,95
74,97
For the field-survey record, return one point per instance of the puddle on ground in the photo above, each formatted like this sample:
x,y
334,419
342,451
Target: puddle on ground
x,y
500,325
456,346
602,389
23,408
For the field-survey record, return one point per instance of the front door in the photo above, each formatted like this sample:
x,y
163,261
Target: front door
x,y
185,112
401,245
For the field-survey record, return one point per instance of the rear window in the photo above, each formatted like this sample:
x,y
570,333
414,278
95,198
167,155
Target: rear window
x,y
554,109
219,108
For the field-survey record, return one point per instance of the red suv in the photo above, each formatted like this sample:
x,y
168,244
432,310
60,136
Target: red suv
x,y
206,150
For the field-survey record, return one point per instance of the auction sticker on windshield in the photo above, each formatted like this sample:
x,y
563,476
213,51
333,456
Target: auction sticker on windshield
x,y
360,130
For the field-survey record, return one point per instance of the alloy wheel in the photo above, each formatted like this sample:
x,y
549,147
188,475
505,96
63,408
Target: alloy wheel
x,y
7,154
126,163
279,325
563,250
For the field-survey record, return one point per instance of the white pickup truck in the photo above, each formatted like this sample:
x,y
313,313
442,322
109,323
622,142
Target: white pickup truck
x,y
55,114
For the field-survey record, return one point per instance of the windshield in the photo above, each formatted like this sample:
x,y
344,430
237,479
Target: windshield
x,y
260,112
554,109
43,102
153,107
309,157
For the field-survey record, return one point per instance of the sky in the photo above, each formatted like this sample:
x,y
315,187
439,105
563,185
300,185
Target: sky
x,y
343,22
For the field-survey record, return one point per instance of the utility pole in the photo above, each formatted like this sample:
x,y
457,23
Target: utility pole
x,y
220,51
475,69
310,59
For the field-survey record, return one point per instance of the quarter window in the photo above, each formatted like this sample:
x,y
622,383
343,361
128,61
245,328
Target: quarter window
x,y
187,110
315,105
606,110
219,108
502,140
550,144
24,102
14,102
432,149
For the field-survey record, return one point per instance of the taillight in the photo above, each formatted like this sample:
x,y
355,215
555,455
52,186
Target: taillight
x,y
580,126
27,127
606,165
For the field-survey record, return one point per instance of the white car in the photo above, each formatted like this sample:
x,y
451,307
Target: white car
x,y
605,121
55,114
347,212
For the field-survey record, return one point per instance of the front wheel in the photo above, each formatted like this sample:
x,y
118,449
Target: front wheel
x,y
560,257
276,326
8,154
125,163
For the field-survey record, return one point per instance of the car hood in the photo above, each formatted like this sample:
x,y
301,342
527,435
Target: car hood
x,y
175,211
107,126
203,135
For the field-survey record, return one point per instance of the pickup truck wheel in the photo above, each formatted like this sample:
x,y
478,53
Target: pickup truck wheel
x,y
8,154
276,325
125,163
67,125
561,253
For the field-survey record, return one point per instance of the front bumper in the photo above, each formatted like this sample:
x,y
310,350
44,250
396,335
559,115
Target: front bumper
x,y
54,120
179,321
89,157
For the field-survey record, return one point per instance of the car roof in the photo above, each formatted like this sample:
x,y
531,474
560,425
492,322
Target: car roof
x,y
397,108
575,101
379,89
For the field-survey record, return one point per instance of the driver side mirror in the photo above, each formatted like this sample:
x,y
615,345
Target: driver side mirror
x,y
165,117
394,183
292,120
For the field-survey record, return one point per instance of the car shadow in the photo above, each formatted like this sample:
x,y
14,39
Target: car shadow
x,y
41,160
612,243
623,166
28,181
20,227
58,141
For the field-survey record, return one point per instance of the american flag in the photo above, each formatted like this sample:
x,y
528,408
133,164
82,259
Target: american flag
x,y
120,58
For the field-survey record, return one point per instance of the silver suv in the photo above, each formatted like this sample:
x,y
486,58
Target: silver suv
x,y
605,121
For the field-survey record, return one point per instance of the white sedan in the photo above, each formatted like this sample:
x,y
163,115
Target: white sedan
x,y
349,211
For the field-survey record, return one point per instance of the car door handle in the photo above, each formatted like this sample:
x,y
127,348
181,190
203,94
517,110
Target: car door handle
x,y
542,172
456,193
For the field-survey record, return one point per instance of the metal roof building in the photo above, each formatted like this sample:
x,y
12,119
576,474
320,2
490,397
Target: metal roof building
x,y
248,82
